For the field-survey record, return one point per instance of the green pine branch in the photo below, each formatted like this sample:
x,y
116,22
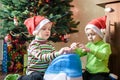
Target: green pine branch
x,y
57,11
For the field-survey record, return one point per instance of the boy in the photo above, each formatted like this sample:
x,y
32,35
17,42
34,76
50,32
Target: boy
x,y
96,50
40,51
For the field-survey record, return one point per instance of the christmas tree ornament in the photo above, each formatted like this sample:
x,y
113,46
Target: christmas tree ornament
x,y
61,37
15,21
18,66
8,38
9,47
66,40
39,3
47,1
66,37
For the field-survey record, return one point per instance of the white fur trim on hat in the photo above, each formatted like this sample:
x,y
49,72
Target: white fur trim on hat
x,y
96,29
40,25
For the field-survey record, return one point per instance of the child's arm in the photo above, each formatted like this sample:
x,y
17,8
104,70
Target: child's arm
x,y
79,49
74,45
84,48
65,50
103,52
35,51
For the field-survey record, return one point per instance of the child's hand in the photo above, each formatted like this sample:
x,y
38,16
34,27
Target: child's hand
x,y
74,45
65,50
84,48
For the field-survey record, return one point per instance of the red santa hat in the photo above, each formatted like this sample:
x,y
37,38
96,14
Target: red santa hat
x,y
35,23
98,25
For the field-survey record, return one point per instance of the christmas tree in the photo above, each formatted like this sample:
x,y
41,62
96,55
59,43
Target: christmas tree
x,y
14,12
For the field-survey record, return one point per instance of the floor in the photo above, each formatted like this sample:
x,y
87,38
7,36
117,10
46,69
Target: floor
x,y
2,75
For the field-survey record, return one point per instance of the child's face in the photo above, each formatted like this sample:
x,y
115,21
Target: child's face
x,y
45,31
92,36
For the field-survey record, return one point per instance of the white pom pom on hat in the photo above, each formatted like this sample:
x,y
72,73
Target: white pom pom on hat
x,y
98,25
35,23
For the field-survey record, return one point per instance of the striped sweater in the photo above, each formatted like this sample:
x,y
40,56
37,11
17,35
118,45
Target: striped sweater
x,y
40,54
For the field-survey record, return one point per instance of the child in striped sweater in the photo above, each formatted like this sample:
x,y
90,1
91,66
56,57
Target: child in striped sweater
x,y
40,51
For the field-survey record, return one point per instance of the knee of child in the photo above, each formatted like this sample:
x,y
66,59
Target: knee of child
x,y
32,76
24,77
36,76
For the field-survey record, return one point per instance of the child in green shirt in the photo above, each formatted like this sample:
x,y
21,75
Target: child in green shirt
x,y
96,50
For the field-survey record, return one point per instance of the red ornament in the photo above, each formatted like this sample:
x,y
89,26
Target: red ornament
x,y
9,47
8,38
14,55
65,37
47,1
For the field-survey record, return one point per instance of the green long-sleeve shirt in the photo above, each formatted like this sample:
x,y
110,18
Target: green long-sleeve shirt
x,y
97,58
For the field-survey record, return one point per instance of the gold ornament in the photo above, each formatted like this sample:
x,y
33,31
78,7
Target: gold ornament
x,y
40,2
